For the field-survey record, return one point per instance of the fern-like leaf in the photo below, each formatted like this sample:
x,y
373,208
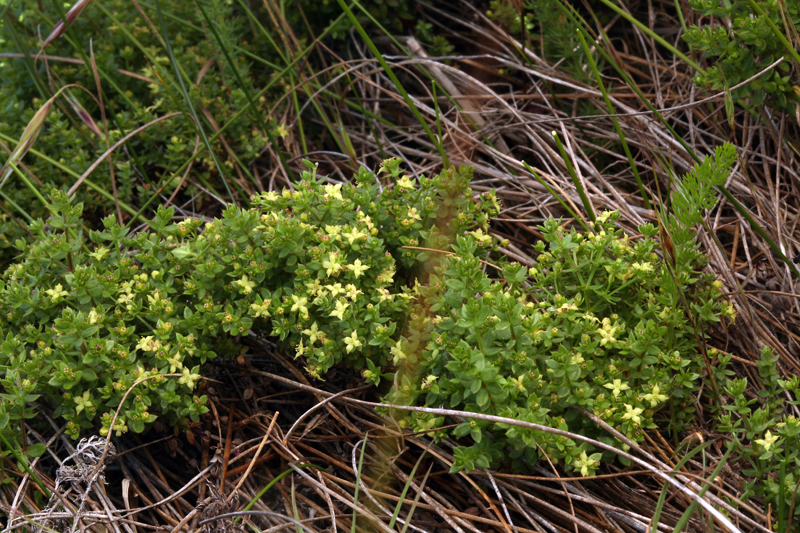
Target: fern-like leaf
x,y
695,193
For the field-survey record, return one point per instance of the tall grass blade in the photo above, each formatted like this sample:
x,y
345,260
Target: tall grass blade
x,y
650,33
614,120
405,489
416,499
624,75
687,514
776,31
68,171
587,206
663,497
197,124
389,72
242,85
555,195
295,513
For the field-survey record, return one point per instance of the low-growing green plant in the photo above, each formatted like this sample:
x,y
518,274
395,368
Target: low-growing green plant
x,y
127,54
394,279
598,323
745,48
766,439
321,268
223,61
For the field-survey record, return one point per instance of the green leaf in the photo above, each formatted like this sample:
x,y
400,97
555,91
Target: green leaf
x,y
455,284
482,398
476,435
37,450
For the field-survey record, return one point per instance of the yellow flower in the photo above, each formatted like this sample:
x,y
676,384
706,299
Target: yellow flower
x,y
387,275
644,267
332,264
334,191
352,342
354,235
333,230
385,294
148,344
301,349
633,414
607,332
100,253
480,236
261,309
585,463
270,196
300,305
655,397
768,440
616,387
405,183
352,291
175,363
519,383
282,131
188,378
83,402
335,289
412,214
93,316
357,268
246,285
313,334
56,293
341,307
397,352
313,287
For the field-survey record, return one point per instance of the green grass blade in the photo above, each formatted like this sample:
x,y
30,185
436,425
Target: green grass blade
x,y
776,31
663,496
389,72
687,514
28,184
23,462
271,484
587,206
16,206
557,197
407,486
416,499
738,206
243,86
67,170
295,512
650,33
275,79
615,121
197,124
